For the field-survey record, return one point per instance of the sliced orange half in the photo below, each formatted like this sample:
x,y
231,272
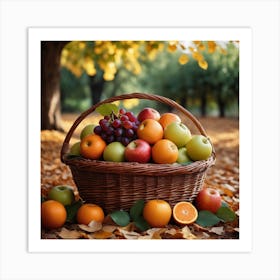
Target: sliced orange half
x,y
184,213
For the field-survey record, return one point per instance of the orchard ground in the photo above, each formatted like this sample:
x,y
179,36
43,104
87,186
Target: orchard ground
x,y
224,176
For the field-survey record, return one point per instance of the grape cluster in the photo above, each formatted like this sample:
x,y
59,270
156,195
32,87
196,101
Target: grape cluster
x,y
121,127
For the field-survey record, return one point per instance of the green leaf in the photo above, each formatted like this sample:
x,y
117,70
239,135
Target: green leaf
x,y
207,219
226,214
121,218
224,204
106,109
141,223
72,211
137,209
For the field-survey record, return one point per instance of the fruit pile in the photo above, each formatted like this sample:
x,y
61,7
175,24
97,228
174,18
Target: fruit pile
x,y
148,137
208,209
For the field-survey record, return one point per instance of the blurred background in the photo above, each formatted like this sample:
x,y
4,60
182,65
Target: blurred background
x,y
202,76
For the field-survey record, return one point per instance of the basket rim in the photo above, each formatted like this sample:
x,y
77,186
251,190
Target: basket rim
x,y
146,169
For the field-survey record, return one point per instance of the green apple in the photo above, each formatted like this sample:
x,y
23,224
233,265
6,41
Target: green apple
x,y
199,148
62,194
183,156
75,149
178,133
88,129
114,151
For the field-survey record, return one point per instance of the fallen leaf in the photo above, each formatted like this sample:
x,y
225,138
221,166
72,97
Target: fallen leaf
x,y
93,226
109,228
187,234
70,234
129,234
217,230
155,233
101,235
129,227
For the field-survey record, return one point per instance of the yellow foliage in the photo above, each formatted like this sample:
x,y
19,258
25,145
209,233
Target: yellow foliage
x,y
89,66
81,56
183,59
211,46
130,103
108,76
197,55
203,64
172,46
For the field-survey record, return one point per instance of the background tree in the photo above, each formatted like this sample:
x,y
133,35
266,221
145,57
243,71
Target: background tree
x,y
101,61
50,84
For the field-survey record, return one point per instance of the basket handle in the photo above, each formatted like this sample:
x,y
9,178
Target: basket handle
x,y
153,97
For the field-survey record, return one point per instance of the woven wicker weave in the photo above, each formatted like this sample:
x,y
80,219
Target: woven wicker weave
x,y
116,186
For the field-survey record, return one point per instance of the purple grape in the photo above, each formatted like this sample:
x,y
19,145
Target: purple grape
x,y
124,118
116,123
135,127
129,133
104,124
97,130
110,139
103,135
125,141
131,117
122,111
110,130
107,118
127,124
118,132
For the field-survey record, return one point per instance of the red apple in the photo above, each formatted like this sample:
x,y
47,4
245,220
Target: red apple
x,y
138,151
148,113
208,199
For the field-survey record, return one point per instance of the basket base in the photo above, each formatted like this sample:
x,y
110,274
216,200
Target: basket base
x,y
120,191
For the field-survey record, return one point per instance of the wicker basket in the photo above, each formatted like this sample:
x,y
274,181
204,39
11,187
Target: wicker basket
x,y
116,186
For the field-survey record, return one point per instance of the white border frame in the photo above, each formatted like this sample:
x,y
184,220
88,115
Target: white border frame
x,y
36,35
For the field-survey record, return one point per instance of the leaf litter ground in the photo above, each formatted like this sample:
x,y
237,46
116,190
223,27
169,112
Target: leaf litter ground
x,y
224,176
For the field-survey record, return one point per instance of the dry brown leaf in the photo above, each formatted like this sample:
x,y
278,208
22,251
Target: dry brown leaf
x,y
129,227
187,234
172,233
70,234
93,226
101,235
129,234
217,230
155,233
109,228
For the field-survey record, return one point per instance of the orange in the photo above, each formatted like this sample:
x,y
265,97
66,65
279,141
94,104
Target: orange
x,y
157,212
89,212
184,213
53,214
92,146
168,118
150,130
164,151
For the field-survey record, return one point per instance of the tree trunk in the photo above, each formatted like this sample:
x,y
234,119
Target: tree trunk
x,y
96,88
50,85
221,106
203,103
